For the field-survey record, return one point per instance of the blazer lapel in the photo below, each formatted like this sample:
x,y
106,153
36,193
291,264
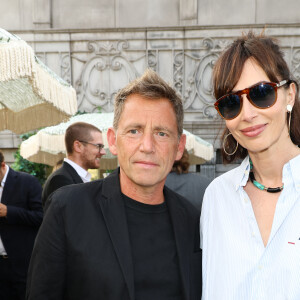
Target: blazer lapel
x,y
9,186
113,210
182,239
70,170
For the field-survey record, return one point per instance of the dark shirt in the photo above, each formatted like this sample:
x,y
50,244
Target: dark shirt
x,y
155,262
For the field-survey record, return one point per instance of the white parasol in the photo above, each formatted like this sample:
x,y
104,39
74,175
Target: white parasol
x,y
31,95
47,146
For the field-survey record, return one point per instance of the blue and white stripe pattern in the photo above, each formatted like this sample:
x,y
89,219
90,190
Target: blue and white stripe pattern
x,y
236,264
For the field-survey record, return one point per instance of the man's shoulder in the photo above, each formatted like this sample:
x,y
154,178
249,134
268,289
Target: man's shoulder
x,y
80,188
225,179
64,169
22,175
87,192
176,199
59,173
64,172
187,178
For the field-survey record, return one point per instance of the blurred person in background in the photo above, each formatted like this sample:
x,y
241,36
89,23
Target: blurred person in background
x,y
189,185
21,214
57,165
84,146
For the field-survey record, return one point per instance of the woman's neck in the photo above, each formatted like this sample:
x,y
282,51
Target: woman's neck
x,y
268,165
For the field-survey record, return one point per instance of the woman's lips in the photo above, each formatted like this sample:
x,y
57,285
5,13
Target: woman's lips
x,y
253,131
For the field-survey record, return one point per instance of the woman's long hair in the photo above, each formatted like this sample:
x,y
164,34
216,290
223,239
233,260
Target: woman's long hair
x,y
227,71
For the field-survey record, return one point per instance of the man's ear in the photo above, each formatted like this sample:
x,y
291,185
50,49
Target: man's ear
x,y
77,146
112,141
180,147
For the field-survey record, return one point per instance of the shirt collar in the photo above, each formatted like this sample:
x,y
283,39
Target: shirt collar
x,y
242,173
5,176
84,174
291,172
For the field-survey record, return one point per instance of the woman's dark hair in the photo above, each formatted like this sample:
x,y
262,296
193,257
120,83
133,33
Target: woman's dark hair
x,y
1,157
227,71
182,166
150,86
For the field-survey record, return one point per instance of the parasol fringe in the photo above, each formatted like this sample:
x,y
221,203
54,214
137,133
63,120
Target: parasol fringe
x,y
36,117
198,149
54,92
32,150
18,60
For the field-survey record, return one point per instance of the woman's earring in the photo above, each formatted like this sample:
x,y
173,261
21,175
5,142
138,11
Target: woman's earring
x,y
224,142
289,110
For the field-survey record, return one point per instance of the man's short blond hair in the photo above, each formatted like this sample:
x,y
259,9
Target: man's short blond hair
x,y
150,86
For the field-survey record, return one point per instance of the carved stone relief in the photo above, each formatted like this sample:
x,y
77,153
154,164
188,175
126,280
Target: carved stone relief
x,y
105,70
108,66
98,69
99,64
295,70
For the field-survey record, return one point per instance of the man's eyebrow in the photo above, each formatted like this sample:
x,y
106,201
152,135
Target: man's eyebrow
x,y
133,125
163,128
156,128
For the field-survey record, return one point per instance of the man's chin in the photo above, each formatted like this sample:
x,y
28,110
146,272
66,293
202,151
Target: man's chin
x,y
94,166
147,182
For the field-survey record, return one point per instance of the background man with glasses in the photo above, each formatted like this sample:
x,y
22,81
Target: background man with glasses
x,y
84,146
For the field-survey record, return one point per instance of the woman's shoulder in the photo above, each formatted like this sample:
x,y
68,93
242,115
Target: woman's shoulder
x,y
227,176
225,183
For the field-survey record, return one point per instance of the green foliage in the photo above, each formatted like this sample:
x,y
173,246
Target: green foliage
x,y
79,112
24,165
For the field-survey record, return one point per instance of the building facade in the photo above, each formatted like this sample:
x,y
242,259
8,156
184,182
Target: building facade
x,y
100,45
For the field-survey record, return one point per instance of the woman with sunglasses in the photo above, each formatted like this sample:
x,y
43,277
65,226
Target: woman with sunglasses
x,y
250,221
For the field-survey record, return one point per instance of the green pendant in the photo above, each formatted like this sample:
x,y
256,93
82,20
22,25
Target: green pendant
x,y
258,185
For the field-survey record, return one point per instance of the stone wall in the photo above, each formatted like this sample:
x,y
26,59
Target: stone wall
x,y
75,14
99,46
100,62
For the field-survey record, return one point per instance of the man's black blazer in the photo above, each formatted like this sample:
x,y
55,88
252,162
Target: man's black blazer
x,y
65,175
22,196
83,250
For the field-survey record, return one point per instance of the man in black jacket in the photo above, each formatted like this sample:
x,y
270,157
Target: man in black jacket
x,y
126,237
21,214
84,147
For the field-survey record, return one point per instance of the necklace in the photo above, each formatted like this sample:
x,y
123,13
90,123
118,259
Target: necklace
x,y
259,185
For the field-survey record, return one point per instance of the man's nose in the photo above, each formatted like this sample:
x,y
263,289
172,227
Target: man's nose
x,y
147,142
102,151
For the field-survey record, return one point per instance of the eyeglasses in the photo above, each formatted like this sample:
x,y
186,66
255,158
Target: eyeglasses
x,y
99,146
261,95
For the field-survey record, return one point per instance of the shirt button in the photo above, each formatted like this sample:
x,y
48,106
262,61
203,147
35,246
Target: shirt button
x,y
253,234
245,200
260,267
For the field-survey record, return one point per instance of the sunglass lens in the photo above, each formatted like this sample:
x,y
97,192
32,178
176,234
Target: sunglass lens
x,y
263,95
229,107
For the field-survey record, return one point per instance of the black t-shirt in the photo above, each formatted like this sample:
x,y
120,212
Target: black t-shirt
x,y
155,261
